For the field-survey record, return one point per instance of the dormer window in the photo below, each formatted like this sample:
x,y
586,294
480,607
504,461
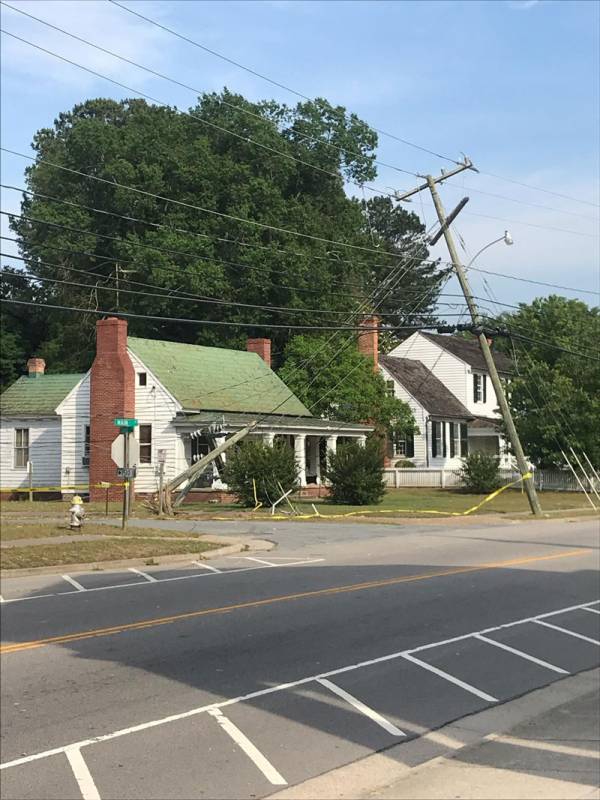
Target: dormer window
x,y
142,378
479,388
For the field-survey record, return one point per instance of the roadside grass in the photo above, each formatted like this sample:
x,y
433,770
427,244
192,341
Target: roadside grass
x,y
11,530
409,502
49,555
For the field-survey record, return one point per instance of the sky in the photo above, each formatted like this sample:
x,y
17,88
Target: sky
x,y
513,84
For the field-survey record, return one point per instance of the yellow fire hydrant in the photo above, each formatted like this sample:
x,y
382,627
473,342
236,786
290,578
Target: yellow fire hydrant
x,y
77,513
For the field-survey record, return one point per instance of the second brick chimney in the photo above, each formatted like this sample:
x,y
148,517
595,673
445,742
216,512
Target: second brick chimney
x,y
261,347
112,395
368,342
36,367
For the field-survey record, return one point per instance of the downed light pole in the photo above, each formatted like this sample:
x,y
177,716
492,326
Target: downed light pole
x,y
483,342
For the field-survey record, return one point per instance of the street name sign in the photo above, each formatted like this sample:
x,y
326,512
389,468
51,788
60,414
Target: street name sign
x,y
121,422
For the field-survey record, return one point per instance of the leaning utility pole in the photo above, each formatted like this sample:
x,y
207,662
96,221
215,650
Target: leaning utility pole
x,y
483,342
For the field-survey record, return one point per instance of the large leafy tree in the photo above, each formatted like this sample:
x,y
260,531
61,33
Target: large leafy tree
x,y
279,166
334,380
555,395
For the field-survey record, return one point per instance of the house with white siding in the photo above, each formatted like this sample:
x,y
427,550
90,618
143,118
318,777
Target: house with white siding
x,y
182,395
444,380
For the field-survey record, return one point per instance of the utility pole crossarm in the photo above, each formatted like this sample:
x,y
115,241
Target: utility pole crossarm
x,y
466,164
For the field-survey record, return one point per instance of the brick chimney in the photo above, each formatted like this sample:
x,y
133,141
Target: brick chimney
x,y
261,347
368,342
36,367
112,394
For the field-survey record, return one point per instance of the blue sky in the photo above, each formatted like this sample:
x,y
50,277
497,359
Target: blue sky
x,y
515,85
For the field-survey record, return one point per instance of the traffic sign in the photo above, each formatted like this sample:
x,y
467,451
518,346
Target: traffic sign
x,y
121,422
126,472
117,450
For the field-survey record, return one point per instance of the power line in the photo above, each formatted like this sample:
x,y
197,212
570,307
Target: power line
x,y
530,280
305,97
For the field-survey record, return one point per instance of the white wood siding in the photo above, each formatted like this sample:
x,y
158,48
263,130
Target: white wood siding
x,y
420,415
44,452
449,369
155,406
75,413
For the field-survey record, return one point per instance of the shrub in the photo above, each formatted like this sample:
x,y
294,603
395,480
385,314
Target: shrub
x,y
480,473
268,466
356,473
404,463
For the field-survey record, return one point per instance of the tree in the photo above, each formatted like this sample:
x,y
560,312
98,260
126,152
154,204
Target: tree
x,y
355,473
224,161
334,380
555,395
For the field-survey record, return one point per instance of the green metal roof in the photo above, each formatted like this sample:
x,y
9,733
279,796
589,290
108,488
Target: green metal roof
x,y
36,396
216,379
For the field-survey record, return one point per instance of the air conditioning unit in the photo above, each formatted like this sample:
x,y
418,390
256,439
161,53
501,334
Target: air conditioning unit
x,y
85,461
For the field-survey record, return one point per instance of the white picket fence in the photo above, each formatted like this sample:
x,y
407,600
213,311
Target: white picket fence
x,y
430,477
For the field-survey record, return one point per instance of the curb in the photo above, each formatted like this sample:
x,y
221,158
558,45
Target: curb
x,y
368,776
250,545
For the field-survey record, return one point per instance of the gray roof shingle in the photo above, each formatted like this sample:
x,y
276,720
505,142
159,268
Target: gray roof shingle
x,y
468,350
423,385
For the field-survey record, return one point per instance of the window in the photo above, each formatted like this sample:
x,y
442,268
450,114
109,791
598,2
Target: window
x,y
438,439
403,445
389,388
458,440
479,388
142,378
145,444
86,441
21,447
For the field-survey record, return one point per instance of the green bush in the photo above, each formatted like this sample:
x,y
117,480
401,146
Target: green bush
x,y
356,473
480,473
268,466
404,463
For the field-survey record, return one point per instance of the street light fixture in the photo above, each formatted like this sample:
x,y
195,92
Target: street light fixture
x,y
506,238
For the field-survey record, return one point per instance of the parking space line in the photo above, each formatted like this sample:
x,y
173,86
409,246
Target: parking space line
x,y
360,706
74,583
593,610
206,566
446,676
82,774
520,653
155,723
143,574
567,631
261,561
1,599
253,753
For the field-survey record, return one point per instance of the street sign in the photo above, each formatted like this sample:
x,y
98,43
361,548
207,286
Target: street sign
x,y
162,456
126,472
125,423
117,450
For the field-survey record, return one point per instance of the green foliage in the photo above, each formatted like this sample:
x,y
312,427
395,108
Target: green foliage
x,y
356,473
157,150
555,396
339,382
404,463
480,473
268,466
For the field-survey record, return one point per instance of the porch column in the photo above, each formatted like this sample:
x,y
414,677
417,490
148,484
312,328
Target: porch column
x,y
317,456
300,454
269,438
331,444
362,440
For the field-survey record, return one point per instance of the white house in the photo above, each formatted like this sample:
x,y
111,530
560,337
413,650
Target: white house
x,y
63,425
444,380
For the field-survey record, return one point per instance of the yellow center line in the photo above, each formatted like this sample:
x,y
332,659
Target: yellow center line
x,y
352,587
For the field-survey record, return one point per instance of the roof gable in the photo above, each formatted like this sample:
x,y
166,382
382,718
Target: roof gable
x,y
468,350
216,379
39,396
423,385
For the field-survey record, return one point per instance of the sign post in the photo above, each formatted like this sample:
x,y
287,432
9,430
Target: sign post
x,y
162,457
121,454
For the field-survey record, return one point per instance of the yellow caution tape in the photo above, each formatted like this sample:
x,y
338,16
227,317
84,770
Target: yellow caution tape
x,y
81,486
257,503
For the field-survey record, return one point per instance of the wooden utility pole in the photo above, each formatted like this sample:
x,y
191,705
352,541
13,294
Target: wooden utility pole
x,y
483,342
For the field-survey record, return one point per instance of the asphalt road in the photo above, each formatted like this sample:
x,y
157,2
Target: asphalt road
x,y
237,680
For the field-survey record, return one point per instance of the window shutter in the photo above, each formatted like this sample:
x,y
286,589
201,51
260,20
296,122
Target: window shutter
x,y
410,445
464,442
434,439
484,382
443,424
452,426
475,387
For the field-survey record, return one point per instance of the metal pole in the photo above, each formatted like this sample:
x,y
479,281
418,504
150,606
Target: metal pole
x,y
125,433
161,475
30,477
106,501
487,354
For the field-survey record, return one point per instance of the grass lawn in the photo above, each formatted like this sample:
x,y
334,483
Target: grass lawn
x,y
48,555
10,530
409,501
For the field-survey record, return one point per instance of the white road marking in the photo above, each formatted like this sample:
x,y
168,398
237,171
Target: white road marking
x,y
270,690
261,561
143,574
593,610
253,753
446,676
74,583
521,654
161,580
360,706
206,566
1,599
82,774
565,630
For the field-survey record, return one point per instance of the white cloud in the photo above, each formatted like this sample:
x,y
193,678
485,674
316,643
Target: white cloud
x,y
100,23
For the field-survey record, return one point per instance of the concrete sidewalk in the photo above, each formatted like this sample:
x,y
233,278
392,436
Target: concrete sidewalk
x,y
543,745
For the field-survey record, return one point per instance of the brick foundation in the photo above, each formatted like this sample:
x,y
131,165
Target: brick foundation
x,y
112,394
